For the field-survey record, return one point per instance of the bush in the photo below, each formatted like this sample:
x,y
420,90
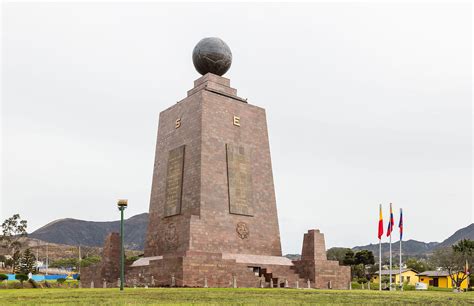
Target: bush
x,y
33,283
47,284
21,277
356,285
374,286
61,280
3,277
408,287
15,285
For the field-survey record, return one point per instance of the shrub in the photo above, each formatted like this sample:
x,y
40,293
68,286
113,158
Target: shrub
x,y
374,286
47,284
61,280
15,285
21,277
3,277
408,287
356,285
33,283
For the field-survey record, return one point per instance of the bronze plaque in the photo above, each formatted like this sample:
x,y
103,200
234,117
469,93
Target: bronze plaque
x,y
239,179
174,181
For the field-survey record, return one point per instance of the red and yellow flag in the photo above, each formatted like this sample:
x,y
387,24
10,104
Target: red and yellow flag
x,y
380,223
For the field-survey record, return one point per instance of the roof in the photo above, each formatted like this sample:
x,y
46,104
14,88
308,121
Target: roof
x,y
397,271
434,273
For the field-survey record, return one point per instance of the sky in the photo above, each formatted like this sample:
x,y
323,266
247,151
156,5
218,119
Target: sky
x,y
366,104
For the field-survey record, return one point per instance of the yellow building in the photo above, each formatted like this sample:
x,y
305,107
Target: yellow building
x,y
409,276
440,279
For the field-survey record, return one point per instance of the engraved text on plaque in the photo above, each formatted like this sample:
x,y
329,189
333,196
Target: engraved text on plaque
x,y
174,181
239,179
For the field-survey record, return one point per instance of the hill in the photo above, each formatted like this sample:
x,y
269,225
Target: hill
x,y
464,233
89,233
418,248
410,248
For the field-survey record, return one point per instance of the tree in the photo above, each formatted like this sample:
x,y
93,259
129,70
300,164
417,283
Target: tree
x,y
451,261
65,263
358,272
21,277
28,262
349,259
15,261
418,265
364,257
358,262
88,261
337,254
13,229
464,246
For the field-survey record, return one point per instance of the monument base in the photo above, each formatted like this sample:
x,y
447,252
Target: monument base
x,y
227,270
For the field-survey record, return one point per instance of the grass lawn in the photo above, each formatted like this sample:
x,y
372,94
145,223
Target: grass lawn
x,y
225,296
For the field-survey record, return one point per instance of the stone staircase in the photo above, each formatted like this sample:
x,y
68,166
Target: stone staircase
x,y
281,277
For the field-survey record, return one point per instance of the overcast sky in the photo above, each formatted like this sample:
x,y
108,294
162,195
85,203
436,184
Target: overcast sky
x,y
366,104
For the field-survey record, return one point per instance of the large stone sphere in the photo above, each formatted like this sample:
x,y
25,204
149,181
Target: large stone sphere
x,y
212,54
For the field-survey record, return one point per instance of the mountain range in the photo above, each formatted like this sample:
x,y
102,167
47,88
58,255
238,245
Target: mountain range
x,y
418,248
90,233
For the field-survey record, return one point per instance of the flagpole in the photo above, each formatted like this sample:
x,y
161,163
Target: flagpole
x,y
400,277
401,284
380,234
380,264
390,272
390,243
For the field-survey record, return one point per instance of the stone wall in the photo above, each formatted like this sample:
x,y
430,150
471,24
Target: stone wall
x,y
325,274
108,269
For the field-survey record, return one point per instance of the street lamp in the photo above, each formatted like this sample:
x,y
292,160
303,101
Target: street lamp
x,y
122,204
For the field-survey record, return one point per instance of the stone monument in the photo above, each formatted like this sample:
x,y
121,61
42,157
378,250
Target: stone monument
x,y
213,218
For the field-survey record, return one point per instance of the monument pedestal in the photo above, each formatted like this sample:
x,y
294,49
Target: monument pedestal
x,y
212,187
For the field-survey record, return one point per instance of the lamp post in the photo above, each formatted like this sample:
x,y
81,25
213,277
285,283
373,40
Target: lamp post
x,y
122,204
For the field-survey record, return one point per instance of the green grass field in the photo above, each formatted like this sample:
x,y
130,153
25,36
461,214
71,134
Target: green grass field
x,y
226,296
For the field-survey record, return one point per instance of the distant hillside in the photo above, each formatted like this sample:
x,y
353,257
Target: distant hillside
x,y
90,233
463,233
55,251
418,248
409,248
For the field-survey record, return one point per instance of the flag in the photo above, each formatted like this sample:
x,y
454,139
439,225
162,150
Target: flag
x,y
400,224
380,223
390,222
